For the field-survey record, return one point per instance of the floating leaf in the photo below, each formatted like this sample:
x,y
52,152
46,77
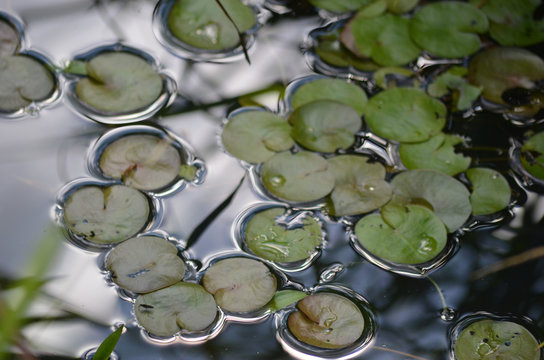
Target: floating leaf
x,y
385,39
339,6
325,125
204,25
326,320
401,6
284,298
410,234
108,345
330,89
240,284
119,82
255,136
490,191
9,39
437,153
532,155
496,339
23,80
435,29
180,306
277,242
497,69
145,264
301,177
388,77
405,115
145,162
446,196
331,51
512,22
106,215
463,93
359,187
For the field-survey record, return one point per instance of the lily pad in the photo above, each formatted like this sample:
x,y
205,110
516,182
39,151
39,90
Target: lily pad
x,y
9,39
532,155
23,80
182,306
240,284
490,191
325,125
145,264
279,242
119,82
498,68
359,187
437,153
106,215
204,25
332,52
405,115
389,77
255,136
435,29
300,177
385,39
446,196
330,89
326,320
401,6
496,339
512,22
339,6
453,80
410,234
145,162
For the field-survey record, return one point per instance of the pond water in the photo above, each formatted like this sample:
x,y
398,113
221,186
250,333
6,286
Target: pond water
x,y
41,153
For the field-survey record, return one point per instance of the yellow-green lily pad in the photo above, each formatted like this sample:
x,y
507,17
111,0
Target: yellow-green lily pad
x,y
339,6
454,81
490,191
532,155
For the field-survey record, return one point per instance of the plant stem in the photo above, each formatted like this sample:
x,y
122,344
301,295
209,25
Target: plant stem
x,y
240,35
440,294
381,348
515,260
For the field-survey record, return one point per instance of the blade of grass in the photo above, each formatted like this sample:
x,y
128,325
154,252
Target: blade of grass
x,y
108,345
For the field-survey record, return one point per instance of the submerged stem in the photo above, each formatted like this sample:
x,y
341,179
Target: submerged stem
x,y
442,298
381,348
240,35
515,260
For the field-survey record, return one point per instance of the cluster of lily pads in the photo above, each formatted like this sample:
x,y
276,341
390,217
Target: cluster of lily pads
x,y
27,78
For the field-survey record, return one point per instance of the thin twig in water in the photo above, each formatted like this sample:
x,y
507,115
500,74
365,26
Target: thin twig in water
x,y
515,260
399,353
240,35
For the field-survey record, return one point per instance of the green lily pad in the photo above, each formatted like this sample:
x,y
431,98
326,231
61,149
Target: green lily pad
x,y
405,115
145,264
401,6
119,82
437,153
385,39
255,136
325,126
9,39
203,24
284,298
410,234
372,9
326,320
512,22
453,80
446,196
498,68
145,162
532,155
359,187
339,6
277,242
23,80
182,306
388,77
332,52
490,191
496,339
106,215
301,177
435,29
330,89
240,284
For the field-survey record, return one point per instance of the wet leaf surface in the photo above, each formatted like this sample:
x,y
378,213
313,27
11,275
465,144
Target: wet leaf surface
x,y
339,6
273,241
180,306
453,80
145,162
490,191
532,155
144,264
410,234
331,51
326,320
203,24
119,82
240,284
9,39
